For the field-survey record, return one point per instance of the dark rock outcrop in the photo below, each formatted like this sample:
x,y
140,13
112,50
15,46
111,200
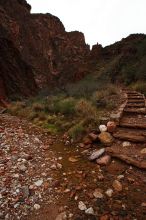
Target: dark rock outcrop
x,y
123,61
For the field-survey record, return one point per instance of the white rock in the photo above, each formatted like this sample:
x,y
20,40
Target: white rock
x,y
82,206
126,144
89,211
59,165
39,182
96,154
16,175
109,192
102,128
98,194
53,167
37,206
22,168
120,177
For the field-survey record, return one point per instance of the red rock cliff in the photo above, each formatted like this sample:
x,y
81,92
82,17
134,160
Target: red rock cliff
x,y
55,56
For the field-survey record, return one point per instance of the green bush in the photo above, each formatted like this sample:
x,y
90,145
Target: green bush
x,y
64,106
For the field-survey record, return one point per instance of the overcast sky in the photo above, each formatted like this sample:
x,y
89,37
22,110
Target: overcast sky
x,y
102,21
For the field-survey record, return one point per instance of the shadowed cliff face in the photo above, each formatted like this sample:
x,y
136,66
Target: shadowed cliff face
x,y
55,56
16,76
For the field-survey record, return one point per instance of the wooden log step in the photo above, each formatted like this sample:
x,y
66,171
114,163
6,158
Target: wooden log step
x,y
132,135
132,125
135,110
136,101
137,105
126,158
135,97
133,93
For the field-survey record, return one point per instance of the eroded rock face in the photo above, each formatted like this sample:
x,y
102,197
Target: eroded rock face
x,y
55,56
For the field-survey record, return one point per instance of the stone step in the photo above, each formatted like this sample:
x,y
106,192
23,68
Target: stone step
x,y
132,135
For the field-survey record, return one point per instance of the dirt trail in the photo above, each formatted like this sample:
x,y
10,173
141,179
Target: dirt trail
x,y
42,178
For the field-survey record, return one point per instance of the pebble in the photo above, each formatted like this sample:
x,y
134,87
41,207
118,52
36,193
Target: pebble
x,y
39,182
37,206
98,194
126,144
117,186
109,192
82,206
22,168
89,211
120,177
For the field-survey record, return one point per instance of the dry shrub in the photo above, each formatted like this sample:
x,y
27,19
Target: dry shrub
x,y
85,109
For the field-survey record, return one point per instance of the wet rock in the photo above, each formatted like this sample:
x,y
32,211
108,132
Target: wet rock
x,y
111,126
126,144
96,154
143,151
117,186
93,136
82,206
98,194
102,128
109,192
105,160
105,138
89,211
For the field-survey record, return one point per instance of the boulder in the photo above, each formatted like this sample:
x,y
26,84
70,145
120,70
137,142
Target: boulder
x,y
106,138
111,126
96,154
105,160
102,128
93,136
